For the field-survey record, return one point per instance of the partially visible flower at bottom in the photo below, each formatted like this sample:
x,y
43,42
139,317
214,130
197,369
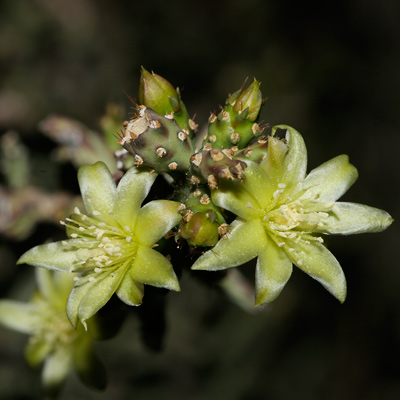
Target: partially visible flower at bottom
x,y
53,341
282,214
111,246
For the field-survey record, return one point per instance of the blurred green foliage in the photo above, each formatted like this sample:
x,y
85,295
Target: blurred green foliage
x,y
330,70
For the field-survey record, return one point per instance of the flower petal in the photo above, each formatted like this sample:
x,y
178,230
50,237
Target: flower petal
x,y
155,219
317,261
132,190
273,270
258,184
22,317
45,284
272,163
244,242
152,268
55,370
130,291
98,190
88,297
54,286
295,163
36,351
351,218
232,197
331,179
56,256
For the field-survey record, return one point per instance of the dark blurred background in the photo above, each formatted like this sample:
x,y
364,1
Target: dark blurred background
x,y
331,70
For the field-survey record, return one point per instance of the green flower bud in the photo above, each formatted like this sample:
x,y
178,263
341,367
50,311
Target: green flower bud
x,y
200,230
157,93
235,127
247,102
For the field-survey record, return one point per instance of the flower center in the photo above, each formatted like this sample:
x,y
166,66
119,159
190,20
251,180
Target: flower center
x,y
295,218
55,328
99,246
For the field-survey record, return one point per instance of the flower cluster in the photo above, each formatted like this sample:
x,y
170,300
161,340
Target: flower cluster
x,y
234,195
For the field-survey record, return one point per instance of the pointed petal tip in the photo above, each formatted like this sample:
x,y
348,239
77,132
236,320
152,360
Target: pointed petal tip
x,y
197,267
340,293
172,284
259,301
21,260
28,257
83,321
265,298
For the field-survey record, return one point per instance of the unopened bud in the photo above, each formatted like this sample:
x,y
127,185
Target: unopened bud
x,y
157,93
200,230
247,102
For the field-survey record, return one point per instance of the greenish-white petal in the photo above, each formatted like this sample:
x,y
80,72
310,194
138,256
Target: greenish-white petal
x,y
55,370
54,286
22,317
318,262
74,299
155,219
258,184
233,197
98,190
273,270
331,179
45,284
98,295
273,161
130,291
295,163
36,351
351,218
152,268
57,256
63,283
88,296
90,369
245,241
132,190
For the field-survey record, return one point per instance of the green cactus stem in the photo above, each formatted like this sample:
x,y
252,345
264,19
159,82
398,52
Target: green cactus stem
x,y
255,151
157,141
212,165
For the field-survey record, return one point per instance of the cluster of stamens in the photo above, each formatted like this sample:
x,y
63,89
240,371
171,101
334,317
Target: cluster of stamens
x,y
99,246
294,219
54,328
